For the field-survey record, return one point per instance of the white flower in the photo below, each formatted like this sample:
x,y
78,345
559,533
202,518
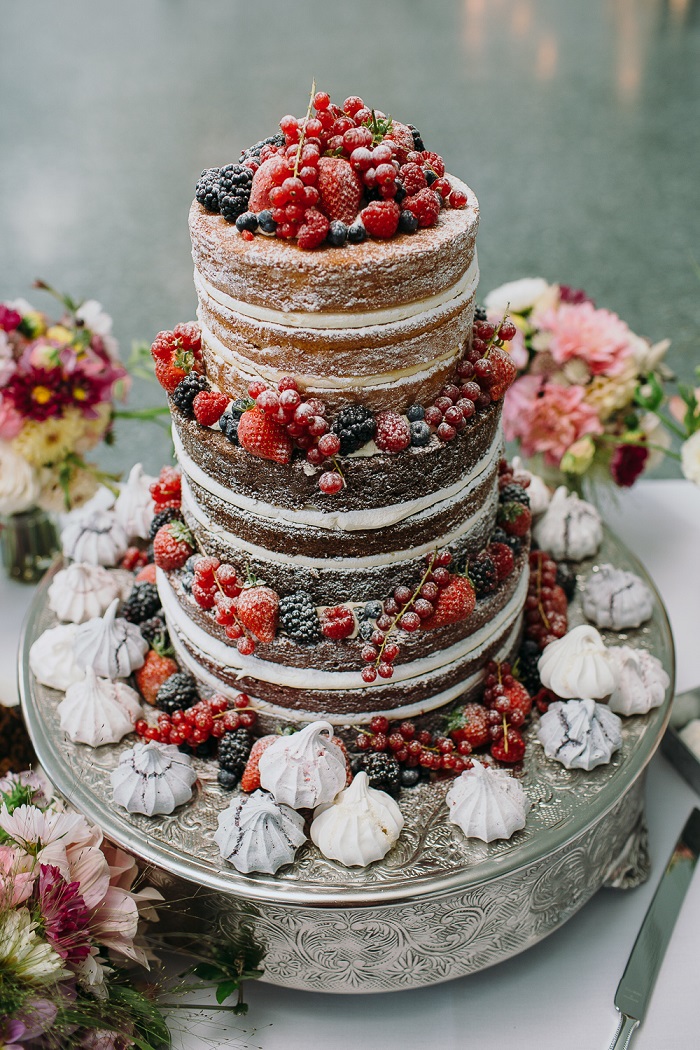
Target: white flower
x,y
93,317
19,485
647,357
656,434
23,954
7,363
516,296
690,458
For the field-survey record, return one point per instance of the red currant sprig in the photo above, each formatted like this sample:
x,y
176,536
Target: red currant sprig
x,y
195,725
545,605
412,747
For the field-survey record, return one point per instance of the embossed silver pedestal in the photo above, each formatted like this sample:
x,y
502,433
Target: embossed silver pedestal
x,y
439,906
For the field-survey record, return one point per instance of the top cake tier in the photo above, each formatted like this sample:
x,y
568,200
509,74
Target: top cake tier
x,y
382,322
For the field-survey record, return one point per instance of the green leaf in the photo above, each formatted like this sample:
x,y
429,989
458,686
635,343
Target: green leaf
x,y
226,988
649,394
209,972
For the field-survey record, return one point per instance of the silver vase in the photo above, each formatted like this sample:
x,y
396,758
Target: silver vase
x,y
28,542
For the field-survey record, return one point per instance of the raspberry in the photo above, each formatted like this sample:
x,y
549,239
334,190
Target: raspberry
x,y
313,230
208,407
337,622
433,161
424,205
413,178
393,433
381,218
502,557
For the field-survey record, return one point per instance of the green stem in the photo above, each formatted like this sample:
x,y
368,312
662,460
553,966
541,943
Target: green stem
x,y
141,413
612,440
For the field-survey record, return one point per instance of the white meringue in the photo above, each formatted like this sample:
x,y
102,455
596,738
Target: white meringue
x,y
134,508
641,681
580,734
577,666
616,598
305,769
538,491
112,646
82,591
52,657
97,711
359,826
570,529
256,833
488,803
152,778
97,538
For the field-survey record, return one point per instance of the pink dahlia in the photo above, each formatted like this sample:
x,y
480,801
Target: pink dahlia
x,y
597,337
64,914
15,884
546,417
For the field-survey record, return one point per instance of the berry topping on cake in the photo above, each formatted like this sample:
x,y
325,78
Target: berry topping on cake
x,y
177,692
298,618
172,545
257,609
337,622
483,575
156,670
424,206
187,390
177,354
207,189
393,433
514,518
162,518
340,189
142,603
509,747
454,603
263,436
355,426
469,723
502,557
208,407
235,181
381,218
166,491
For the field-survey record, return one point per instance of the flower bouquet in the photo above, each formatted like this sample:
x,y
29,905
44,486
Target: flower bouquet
x,y
589,401
58,382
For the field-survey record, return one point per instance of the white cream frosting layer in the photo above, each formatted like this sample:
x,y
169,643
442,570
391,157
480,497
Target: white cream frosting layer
x,y
310,678
370,561
288,714
462,289
345,521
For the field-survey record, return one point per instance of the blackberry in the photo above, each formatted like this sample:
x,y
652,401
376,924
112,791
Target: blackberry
x,y
235,182
417,139
186,581
409,778
253,152
514,493
247,221
234,751
408,223
484,575
355,426
177,692
357,232
162,518
265,221
372,610
566,578
420,433
207,189
384,772
528,658
155,633
480,314
514,542
299,619
366,630
414,413
337,233
186,391
142,603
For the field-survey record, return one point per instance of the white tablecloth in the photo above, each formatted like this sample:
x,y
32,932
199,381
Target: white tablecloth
x,y
559,993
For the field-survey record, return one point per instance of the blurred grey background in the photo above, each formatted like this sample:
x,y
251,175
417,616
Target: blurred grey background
x,y
577,124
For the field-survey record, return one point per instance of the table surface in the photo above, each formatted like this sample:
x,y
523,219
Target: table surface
x,y
561,991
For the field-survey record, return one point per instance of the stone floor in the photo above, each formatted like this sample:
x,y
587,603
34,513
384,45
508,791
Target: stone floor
x,y
577,124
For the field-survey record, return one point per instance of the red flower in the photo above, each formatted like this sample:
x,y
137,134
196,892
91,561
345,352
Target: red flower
x,y
9,318
627,464
64,914
38,393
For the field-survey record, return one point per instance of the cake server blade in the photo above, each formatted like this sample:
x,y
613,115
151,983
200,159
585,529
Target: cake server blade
x,y
634,990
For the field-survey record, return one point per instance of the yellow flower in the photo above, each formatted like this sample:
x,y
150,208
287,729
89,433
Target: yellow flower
x,y
579,456
608,395
59,334
50,441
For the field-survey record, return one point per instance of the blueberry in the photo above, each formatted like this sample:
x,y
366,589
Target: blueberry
x,y
366,630
372,610
266,223
228,424
409,778
191,562
400,193
414,413
247,221
186,580
227,780
420,433
337,233
430,176
357,233
408,223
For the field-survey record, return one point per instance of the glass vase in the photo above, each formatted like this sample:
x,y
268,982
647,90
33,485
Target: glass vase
x,y
28,542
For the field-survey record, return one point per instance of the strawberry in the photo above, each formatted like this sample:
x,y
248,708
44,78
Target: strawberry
x,y
454,603
173,545
518,699
313,229
340,188
503,373
250,781
271,173
264,436
133,559
166,491
155,670
502,557
146,575
510,746
514,518
469,723
208,407
257,609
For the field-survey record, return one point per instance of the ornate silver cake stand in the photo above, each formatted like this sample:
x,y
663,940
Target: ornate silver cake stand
x,y
439,906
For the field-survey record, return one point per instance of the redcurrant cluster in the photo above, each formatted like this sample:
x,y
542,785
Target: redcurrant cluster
x,y
546,606
217,586
305,423
195,725
404,611
412,747
504,694
166,490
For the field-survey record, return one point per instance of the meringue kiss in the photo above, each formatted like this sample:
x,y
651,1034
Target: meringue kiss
x,y
305,769
577,666
359,826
